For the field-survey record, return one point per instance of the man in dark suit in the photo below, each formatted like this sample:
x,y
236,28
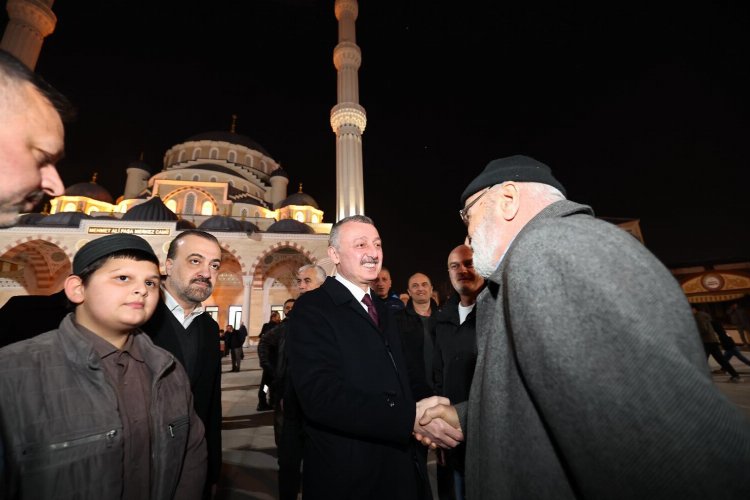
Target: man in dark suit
x,y
181,326
348,370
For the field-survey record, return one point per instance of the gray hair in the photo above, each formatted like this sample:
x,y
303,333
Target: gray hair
x,y
333,238
543,192
319,271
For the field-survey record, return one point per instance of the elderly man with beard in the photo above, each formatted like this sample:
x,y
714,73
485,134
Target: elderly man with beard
x,y
590,379
349,373
181,326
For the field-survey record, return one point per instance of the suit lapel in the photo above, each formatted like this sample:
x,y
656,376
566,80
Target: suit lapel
x,y
341,296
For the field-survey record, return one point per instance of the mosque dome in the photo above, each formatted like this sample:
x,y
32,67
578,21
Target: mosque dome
x,y
66,219
290,226
223,223
89,190
152,210
185,224
231,138
30,219
299,198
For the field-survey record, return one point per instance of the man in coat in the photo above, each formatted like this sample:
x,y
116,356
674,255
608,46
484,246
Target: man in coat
x,y
590,380
181,326
348,371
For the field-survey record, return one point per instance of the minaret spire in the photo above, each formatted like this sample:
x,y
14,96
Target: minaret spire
x,y
348,118
29,21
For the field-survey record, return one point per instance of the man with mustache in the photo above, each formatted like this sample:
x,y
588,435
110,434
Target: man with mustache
x,y
31,138
349,373
181,326
590,379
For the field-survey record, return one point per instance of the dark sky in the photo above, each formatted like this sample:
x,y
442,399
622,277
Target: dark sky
x,y
640,108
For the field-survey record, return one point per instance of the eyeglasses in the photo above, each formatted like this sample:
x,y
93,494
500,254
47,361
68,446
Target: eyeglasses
x,y
464,212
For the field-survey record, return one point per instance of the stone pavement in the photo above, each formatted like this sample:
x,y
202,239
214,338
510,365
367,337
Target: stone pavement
x,y
249,469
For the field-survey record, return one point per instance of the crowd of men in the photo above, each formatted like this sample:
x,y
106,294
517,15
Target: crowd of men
x,y
567,365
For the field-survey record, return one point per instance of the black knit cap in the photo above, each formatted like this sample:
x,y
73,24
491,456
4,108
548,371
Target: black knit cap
x,y
517,168
107,245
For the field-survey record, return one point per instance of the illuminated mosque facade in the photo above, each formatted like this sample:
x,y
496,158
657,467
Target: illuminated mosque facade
x,y
220,181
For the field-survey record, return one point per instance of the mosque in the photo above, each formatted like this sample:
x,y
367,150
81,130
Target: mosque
x,y
221,182
229,185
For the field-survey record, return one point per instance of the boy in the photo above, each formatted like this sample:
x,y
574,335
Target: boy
x,y
94,409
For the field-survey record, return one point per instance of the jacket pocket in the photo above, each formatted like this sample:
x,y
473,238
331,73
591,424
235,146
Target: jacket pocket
x,y
179,427
107,438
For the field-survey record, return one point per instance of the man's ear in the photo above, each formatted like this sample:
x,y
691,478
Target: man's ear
x,y
334,255
74,289
168,266
509,200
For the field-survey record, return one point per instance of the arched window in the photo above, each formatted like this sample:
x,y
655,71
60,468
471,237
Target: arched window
x,y
213,154
196,153
232,157
212,179
92,210
172,205
69,207
207,208
189,203
315,219
178,177
231,183
248,160
181,156
300,216
196,177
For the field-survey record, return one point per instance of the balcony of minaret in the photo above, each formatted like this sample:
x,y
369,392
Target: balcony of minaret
x,y
348,114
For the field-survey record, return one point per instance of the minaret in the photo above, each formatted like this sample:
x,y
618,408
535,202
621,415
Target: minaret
x,y
29,21
348,118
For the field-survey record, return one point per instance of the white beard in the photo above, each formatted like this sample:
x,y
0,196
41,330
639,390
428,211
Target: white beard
x,y
484,242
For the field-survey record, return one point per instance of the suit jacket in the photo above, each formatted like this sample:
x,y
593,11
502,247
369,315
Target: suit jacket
x,y
590,380
352,383
205,380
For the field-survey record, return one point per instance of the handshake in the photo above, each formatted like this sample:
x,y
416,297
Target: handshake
x,y
436,423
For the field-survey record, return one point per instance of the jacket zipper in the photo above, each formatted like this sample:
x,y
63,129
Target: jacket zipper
x,y
177,424
109,436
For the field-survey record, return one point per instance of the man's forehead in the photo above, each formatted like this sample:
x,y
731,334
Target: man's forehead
x,y
191,245
419,278
460,255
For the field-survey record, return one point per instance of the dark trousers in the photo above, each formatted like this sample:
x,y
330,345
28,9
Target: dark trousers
x,y
714,351
265,380
236,358
733,351
290,449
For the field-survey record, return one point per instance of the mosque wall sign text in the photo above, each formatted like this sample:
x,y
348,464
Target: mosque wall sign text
x,y
130,230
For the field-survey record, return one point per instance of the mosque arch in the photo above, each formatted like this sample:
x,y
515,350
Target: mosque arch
x,y
181,156
196,153
39,265
283,250
213,153
232,156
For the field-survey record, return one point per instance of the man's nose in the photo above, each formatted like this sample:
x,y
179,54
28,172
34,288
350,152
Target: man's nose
x,y
51,182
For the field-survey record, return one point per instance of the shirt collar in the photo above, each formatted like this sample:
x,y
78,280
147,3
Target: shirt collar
x,y
104,348
356,291
173,305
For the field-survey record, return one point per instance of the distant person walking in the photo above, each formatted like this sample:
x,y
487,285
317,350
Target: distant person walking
x,y
740,320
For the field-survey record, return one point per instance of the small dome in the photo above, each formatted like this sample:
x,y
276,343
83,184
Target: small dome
x,y
230,137
30,219
224,223
152,210
66,219
299,198
89,190
185,224
290,226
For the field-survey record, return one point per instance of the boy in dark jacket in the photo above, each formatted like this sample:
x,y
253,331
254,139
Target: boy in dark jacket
x,y
94,409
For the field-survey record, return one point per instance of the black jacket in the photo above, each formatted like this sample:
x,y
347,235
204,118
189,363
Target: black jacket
x,y
350,377
205,377
411,330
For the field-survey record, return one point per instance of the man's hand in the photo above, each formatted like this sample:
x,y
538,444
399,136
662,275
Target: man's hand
x,y
436,423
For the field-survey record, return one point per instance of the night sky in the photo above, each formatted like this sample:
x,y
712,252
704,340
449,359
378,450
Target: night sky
x,y
641,109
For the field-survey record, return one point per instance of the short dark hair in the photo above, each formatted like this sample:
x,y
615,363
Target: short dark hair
x,y
288,301
12,69
172,251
